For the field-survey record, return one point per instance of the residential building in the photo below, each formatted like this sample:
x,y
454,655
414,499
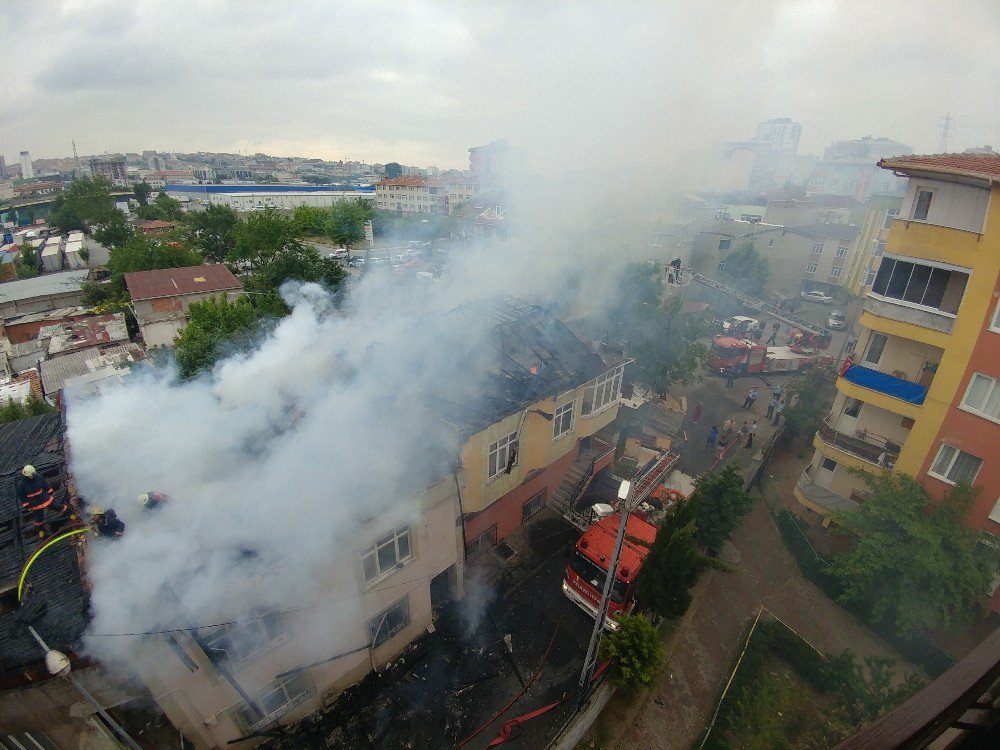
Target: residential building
x,y
488,164
160,299
922,391
866,253
110,166
155,227
10,261
27,169
259,197
49,291
817,209
850,168
416,195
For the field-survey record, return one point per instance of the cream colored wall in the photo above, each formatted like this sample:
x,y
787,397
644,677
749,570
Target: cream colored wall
x,y
900,355
202,703
537,447
872,418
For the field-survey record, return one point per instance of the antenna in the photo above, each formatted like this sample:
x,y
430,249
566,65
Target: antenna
x,y
946,126
76,158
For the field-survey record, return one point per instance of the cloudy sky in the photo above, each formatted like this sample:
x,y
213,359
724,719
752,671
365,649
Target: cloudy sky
x,y
420,82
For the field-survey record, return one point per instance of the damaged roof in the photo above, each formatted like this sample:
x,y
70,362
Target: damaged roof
x,y
55,604
537,357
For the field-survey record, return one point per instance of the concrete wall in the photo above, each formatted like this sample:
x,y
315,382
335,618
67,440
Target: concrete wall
x,y
952,205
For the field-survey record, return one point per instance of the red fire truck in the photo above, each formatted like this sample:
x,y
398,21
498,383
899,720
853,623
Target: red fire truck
x,y
588,565
751,358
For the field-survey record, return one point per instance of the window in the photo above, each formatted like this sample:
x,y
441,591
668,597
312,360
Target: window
x,y
811,268
842,250
922,204
852,407
854,184
562,420
603,393
817,248
995,323
920,284
890,216
982,397
828,463
502,456
384,626
485,541
876,345
722,265
835,273
280,697
834,182
725,244
869,278
532,506
242,641
879,248
387,554
953,465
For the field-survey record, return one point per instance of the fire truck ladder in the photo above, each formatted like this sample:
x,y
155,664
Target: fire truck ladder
x,y
653,476
757,304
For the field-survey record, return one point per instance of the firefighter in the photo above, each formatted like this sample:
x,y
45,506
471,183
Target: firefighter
x,y
151,500
35,493
106,522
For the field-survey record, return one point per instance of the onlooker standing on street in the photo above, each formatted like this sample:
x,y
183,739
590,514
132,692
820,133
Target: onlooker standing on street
x,y
777,412
750,399
751,431
697,413
731,374
770,406
742,432
713,435
778,390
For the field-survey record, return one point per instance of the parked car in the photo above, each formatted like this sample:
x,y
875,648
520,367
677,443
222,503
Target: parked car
x,y
358,261
837,321
819,297
740,325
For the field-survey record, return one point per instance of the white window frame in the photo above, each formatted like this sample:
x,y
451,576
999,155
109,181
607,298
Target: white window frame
x,y
498,456
303,693
563,419
378,633
234,640
993,387
995,321
943,476
916,203
402,554
842,251
812,268
604,392
835,272
817,248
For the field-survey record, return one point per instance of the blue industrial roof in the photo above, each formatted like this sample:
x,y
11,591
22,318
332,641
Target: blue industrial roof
x,y
183,188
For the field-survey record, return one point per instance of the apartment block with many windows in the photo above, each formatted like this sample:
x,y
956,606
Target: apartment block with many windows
x,y
921,392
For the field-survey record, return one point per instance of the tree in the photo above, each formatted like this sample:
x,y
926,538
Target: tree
x,y
747,269
216,327
635,650
32,406
345,224
116,231
213,231
87,201
138,253
674,564
915,566
720,503
310,221
142,191
30,266
163,208
805,405
260,238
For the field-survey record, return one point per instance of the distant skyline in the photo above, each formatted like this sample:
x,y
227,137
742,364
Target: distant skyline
x,y
421,82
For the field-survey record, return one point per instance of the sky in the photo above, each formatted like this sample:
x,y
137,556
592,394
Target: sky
x,y
421,82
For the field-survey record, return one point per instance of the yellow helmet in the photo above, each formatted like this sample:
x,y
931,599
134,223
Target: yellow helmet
x,y
96,510
143,499
28,471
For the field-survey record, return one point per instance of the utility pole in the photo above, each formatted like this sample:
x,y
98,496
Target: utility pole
x,y
946,126
625,495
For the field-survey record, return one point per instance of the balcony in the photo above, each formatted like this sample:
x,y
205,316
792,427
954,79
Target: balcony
x,y
864,445
903,312
880,382
819,498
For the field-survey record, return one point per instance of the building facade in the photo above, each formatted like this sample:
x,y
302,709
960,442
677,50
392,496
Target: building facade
x,y
112,167
27,169
869,246
849,168
921,393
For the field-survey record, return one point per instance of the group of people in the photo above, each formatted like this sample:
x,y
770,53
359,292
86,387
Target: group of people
x,y
38,498
720,441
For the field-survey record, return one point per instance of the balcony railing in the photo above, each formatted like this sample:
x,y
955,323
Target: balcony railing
x,y
864,448
890,385
822,496
903,312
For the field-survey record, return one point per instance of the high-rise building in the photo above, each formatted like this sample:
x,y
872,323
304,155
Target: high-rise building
x,y
849,168
111,166
3,169
780,135
27,170
920,394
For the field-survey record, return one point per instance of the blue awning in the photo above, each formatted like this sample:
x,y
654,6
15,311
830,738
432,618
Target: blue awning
x,y
890,385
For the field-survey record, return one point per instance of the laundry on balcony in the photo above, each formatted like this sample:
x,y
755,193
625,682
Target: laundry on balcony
x,y
890,385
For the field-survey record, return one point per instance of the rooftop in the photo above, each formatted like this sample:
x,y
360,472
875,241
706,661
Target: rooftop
x,y
81,334
66,282
54,602
977,166
173,282
55,372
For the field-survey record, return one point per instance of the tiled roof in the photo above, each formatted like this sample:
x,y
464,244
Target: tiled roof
x,y
982,166
174,282
55,603
55,372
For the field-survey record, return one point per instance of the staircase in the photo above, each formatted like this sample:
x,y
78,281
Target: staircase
x,y
576,481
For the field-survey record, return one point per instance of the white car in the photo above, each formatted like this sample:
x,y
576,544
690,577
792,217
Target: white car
x,y
818,297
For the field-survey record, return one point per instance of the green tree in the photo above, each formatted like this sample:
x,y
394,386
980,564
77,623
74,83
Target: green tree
x,y
720,503
31,407
30,265
674,564
216,327
310,221
915,565
142,191
260,238
213,231
163,208
87,201
116,231
635,650
138,253
345,224
805,404
747,269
